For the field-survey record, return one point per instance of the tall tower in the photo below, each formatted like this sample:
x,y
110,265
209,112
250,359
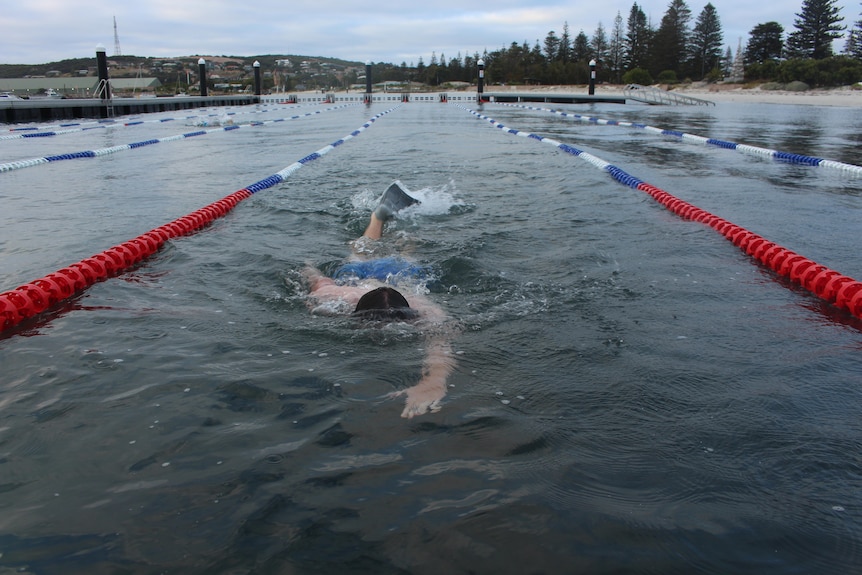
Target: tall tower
x,y
117,51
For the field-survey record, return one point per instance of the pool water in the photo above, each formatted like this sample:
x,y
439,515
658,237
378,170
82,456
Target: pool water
x,y
632,394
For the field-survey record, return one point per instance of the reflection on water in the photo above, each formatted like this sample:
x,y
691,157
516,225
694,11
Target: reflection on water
x,y
632,394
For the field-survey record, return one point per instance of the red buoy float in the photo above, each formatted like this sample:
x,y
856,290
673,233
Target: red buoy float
x,y
829,285
29,300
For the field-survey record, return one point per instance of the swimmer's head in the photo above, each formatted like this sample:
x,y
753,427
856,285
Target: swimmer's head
x,y
384,304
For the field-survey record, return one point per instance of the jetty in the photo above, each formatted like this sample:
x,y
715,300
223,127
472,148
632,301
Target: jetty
x,y
552,98
631,93
15,111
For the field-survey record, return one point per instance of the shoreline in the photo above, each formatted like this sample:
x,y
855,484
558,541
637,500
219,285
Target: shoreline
x,y
723,93
845,96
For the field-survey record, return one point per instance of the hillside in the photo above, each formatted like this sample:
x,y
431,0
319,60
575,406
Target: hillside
x,y
131,64
176,74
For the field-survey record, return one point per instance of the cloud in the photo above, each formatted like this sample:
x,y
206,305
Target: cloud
x,y
37,31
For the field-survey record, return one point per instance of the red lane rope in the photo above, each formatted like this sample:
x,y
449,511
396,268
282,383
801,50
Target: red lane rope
x,y
839,290
29,300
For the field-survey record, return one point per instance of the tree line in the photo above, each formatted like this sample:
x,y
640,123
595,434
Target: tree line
x,y
679,48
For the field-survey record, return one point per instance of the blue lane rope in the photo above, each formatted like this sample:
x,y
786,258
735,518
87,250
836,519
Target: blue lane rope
x,y
29,300
839,290
114,149
51,133
694,139
74,127
615,172
282,175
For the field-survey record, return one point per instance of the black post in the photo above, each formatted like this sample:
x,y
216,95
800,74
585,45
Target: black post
x,y
592,77
368,82
257,87
104,88
202,71
481,80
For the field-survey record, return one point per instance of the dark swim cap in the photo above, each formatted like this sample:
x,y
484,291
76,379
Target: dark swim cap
x,y
384,303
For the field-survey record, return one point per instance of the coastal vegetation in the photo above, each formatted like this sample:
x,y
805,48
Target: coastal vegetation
x,y
681,48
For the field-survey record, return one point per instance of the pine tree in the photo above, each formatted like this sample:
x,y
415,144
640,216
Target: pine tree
x,y
706,40
671,41
764,43
599,44
537,65
737,73
616,51
817,26
853,47
637,41
552,46
564,53
581,50
727,63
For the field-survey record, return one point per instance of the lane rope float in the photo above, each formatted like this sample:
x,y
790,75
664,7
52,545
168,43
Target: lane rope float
x,y
8,167
41,295
74,127
839,290
787,157
50,133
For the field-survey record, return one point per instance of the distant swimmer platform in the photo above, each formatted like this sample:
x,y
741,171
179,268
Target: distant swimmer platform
x,y
631,93
13,111
552,98
17,110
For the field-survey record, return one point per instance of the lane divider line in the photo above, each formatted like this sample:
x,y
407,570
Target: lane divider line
x,y
135,145
51,130
839,290
41,295
695,139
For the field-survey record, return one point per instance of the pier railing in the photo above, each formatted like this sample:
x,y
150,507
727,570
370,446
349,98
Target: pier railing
x,y
650,95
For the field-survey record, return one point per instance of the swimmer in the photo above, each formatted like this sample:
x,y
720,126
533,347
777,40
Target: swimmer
x,y
365,286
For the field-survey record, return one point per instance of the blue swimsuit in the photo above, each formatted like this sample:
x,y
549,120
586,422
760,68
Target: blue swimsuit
x,y
382,269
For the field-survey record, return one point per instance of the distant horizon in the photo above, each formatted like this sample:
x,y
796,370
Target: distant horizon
x,y
36,33
189,56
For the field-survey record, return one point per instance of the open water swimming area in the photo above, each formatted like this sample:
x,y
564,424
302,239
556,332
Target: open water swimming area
x,y
631,393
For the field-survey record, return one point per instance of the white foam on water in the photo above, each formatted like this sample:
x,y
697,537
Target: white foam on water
x,y
433,200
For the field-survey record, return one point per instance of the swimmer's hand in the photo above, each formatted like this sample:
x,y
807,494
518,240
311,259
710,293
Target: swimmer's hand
x,y
420,399
426,395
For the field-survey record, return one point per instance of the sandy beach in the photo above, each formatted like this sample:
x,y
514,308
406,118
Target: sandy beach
x,y
724,93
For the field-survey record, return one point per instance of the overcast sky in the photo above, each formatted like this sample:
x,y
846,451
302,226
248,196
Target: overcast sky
x,y
40,31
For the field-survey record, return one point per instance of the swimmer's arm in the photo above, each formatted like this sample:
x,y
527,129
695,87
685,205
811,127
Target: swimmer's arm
x,y
438,365
315,278
323,289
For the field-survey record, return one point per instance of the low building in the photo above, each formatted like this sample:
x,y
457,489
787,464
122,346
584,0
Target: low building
x,y
76,87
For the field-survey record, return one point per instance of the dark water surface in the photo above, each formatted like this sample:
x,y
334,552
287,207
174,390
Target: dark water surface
x,y
633,393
